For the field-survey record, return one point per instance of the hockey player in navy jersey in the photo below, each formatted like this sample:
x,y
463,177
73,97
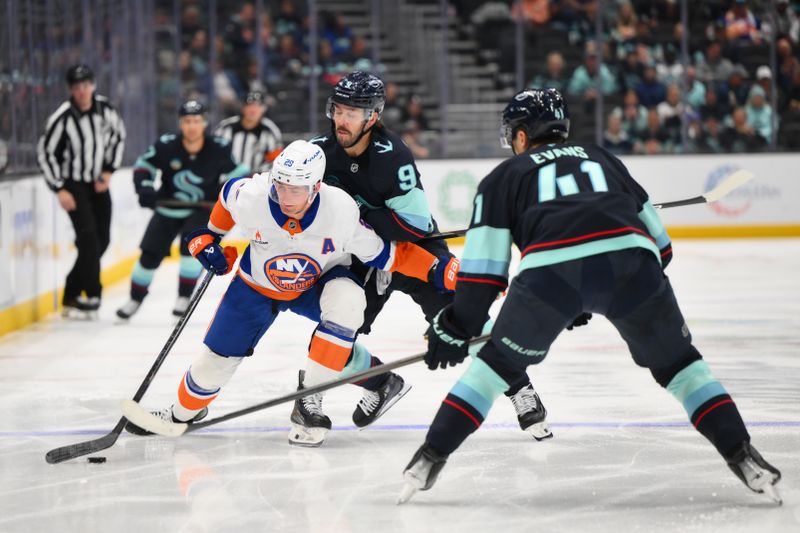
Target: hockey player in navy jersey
x,y
303,235
590,242
193,166
377,169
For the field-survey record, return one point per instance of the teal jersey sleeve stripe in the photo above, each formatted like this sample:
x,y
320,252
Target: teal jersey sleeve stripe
x,y
694,385
144,164
173,213
482,383
487,243
655,227
484,266
560,255
413,208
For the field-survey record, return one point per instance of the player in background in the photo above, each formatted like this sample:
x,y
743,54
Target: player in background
x,y
591,241
193,166
375,167
302,234
81,147
255,140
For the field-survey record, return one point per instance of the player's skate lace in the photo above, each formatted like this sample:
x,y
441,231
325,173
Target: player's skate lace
x,y
531,413
312,404
369,402
375,403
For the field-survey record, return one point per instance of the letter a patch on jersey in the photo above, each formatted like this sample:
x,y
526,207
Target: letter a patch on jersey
x,y
327,246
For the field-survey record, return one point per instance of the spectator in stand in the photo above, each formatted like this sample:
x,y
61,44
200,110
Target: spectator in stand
x,y
535,13
288,20
239,36
359,57
740,136
633,115
787,63
288,60
786,21
742,28
738,89
714,69
669,70
650,91
625,26
709,140
630,71
759,113
713,106
338,33
410,133
794,93
764,79
582,84
392,116
670,112
191,23
554,75
413,110
615,138
695,89
654,139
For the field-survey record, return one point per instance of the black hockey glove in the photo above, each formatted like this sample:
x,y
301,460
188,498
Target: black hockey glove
x,y
581,320
447,343
147,197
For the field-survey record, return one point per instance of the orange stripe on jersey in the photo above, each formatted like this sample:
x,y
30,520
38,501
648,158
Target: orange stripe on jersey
x,y
412,260
328,354
269,293
189,401
221,217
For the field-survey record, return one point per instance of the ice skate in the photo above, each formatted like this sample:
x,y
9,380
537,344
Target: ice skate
x,y
129,309
181,305
531,413
421,472
165,414
374,403
81,308
755,472
310,426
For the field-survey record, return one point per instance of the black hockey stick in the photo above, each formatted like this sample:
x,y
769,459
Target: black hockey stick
x,y
181,204
64,453
144,419
732,182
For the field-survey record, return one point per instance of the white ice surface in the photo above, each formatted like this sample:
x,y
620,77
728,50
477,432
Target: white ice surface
x,y
623,458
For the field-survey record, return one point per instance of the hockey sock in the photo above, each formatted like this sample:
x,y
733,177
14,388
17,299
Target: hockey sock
x,y
330,349
710,408
202,383
141,278
188,272
465,407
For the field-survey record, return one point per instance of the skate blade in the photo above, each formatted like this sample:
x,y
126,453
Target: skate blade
x,y
78,315
406,493
307,437
771,491
540,431
389,404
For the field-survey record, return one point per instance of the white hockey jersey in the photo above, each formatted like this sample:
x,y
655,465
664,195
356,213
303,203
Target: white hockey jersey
x,y
286,256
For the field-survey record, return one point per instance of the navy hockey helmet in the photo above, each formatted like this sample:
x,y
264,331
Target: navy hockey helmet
x,y
361,90
78,73
540,113
191,107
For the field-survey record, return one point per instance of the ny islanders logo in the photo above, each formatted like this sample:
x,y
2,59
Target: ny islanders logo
x,y
292,272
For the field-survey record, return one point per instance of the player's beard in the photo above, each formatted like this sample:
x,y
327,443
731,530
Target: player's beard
x,y
350,139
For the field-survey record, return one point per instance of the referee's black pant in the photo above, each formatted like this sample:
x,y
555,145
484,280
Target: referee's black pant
x,y
91,219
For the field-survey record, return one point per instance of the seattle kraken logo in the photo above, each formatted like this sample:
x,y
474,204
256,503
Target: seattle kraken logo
x,y
186,183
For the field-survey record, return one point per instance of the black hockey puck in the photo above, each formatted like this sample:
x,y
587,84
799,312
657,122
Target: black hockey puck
x,y
96,459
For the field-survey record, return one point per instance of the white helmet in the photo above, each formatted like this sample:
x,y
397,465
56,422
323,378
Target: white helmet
x,y
300,164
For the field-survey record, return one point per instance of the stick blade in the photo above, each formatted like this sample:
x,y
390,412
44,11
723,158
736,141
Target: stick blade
x,y
65,453
136,414
734,181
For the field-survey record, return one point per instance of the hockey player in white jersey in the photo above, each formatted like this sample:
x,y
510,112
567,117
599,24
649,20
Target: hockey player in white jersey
x,y
302,234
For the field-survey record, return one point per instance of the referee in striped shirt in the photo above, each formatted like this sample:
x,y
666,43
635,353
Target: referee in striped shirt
x,y
81,147
255,140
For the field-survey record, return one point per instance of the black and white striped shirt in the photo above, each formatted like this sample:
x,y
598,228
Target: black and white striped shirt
x,y
80,146
249,147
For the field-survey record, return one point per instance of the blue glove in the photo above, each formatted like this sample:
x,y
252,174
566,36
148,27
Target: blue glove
x,y
447,343
444,272
204,245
